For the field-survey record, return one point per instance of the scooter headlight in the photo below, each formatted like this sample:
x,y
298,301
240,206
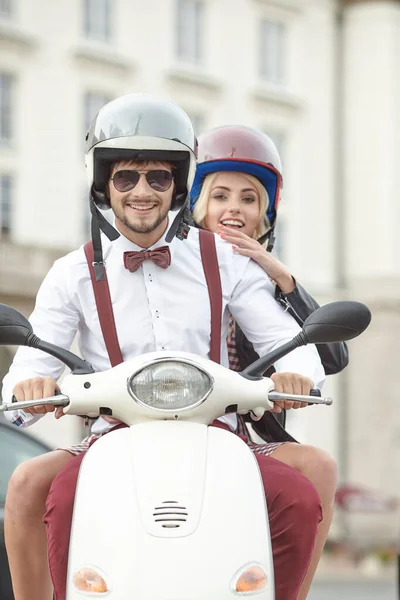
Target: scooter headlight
x,y
170,384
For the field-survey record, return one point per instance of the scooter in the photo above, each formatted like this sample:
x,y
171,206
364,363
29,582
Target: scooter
x,y
167,485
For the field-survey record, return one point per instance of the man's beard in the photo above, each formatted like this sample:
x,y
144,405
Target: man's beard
x,y
142,227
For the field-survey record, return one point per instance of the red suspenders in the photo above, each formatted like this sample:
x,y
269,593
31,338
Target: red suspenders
x,y
104,310
106,315
211,271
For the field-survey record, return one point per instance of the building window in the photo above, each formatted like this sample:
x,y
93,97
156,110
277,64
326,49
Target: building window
x,y
272,51
6,88
6,8
190,27
93,103
97,19
6,190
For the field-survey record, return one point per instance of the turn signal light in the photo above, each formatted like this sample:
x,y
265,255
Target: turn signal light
x,y
90,580
252,578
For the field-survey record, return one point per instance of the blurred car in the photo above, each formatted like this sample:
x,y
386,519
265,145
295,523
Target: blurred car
x,y
15,447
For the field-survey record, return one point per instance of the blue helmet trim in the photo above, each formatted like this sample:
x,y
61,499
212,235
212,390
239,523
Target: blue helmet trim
x,y
266,174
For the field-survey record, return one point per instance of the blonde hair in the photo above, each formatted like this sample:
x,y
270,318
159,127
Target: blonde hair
x,y
201,206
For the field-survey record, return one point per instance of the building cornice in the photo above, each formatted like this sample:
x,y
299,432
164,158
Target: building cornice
x,y
292,6
271,94
193,76
102,55
23,268
14,35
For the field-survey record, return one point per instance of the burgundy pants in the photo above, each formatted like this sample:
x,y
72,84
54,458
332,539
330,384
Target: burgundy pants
x,y
293,507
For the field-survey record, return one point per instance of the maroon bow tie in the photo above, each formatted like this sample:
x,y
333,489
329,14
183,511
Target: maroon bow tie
x,y
160,256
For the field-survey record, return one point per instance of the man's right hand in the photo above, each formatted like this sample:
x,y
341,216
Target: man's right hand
x,y
36,389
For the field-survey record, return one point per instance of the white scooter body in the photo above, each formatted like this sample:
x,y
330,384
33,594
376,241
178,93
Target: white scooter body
x,y
169,508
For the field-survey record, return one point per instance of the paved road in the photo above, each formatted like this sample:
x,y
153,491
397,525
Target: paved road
x,y
353,591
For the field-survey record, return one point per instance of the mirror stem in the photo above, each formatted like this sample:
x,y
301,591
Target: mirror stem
x,y
77,365
257,369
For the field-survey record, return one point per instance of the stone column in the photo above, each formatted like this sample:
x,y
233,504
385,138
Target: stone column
x,y
371,194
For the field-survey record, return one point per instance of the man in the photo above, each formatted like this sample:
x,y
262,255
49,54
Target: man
x,y
140,157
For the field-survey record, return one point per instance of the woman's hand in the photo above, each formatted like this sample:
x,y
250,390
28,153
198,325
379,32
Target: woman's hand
x,y
243,244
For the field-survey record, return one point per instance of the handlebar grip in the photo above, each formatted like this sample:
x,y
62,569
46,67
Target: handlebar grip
x,y
315,398
58,393
316,392
59,400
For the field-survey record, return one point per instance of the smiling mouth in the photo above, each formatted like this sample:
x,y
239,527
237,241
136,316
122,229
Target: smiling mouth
x,y
141,207
232,223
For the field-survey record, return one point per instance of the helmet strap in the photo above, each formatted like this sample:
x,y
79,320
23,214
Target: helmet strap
x,y
181,224
270,236
99,223
104,225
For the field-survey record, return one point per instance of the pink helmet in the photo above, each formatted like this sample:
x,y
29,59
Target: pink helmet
x,y
241,149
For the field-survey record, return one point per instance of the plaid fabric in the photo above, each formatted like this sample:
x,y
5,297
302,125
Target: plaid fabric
x,y
265,449
82,447
231,343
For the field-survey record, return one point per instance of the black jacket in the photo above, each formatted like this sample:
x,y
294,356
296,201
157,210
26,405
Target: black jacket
x,y
334,358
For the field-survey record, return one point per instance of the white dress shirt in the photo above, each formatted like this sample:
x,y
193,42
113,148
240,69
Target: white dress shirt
x,y
155,309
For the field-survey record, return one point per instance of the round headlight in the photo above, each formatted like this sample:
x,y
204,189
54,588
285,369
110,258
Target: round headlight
x,y
170,385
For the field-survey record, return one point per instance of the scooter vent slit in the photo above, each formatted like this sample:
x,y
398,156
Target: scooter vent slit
x,y
170,514
170,507
182,514
166,520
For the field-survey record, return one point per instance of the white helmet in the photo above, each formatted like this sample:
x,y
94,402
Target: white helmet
x,y
140,127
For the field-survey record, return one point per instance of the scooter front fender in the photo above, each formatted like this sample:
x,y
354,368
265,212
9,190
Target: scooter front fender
x,y
169,511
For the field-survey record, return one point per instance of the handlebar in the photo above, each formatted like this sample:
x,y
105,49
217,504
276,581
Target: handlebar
x,y
63,400
313,398
58,400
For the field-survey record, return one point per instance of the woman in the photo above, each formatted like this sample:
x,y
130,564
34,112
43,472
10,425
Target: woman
x,y
236,194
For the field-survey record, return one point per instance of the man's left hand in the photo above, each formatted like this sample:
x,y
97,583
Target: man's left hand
x,y
291,383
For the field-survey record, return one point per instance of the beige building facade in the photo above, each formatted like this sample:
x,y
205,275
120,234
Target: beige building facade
x,y
322,77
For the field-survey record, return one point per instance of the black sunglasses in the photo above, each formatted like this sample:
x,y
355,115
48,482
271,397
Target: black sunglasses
x,y
159,179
